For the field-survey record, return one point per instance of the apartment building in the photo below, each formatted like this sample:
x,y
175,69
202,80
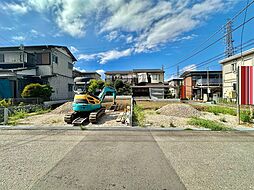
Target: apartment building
x,y
229,68
201,85
147,83
45,64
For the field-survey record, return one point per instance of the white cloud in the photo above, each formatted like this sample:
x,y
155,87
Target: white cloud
x,y
14,8
73,49
112,35
113,54
192,67
87,57
79,69
144,25
7,28
101,72
18,38
106,56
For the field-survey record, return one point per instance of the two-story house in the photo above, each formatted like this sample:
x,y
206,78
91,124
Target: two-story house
x,y
201,85
229,67
88,74
174,86
144,82
45,64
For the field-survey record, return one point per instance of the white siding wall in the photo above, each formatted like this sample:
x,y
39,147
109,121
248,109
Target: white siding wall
x,y
157,77
229,76
62,66
60,86
44,70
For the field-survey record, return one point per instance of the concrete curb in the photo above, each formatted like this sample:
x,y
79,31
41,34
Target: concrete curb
x,y
21,127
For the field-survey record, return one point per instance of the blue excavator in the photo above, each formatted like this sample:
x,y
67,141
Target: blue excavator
x,y
87,107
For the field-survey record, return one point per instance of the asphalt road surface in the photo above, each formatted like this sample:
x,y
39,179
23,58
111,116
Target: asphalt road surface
x,y
59,159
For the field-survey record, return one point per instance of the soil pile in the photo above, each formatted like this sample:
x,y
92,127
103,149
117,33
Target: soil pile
x,y
65,108
179,110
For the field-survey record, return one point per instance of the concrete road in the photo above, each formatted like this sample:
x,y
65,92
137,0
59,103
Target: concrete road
x,y
59,159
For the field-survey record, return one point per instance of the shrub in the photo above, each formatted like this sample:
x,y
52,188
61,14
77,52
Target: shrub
x,y
5,103
245,116
36,90
139,115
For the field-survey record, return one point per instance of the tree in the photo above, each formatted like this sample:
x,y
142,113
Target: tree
x,y
118,84
36,90
95,85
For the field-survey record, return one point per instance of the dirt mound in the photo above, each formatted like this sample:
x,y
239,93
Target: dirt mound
x,y
179,110
65,108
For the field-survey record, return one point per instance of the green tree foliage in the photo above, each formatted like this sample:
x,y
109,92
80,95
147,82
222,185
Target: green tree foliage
x,y
122,88
109,83
118,84
95,85
36,90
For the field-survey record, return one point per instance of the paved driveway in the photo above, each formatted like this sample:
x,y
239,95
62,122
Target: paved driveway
x,y
59,159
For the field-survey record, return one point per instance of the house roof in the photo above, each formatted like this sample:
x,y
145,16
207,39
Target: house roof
x,y
147,70
237,56
193,73
135,71
117,72
86,72
38,47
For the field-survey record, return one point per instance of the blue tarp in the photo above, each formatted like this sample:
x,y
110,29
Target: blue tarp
x,y
5,88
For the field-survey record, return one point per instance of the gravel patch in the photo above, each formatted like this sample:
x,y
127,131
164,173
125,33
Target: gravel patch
x,y
166,121
179,110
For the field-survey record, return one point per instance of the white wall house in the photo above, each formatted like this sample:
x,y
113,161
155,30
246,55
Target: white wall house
x,y
229,67
50,64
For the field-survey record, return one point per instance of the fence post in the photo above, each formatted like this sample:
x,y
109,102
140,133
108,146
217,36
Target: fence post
x,y
6,115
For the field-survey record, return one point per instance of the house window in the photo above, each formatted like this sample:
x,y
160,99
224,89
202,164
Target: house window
x,y
233,67
55,58
1,57
43,59
70,87
70,65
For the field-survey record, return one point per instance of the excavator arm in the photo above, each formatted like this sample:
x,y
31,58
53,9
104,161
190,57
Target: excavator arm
x,y
105,91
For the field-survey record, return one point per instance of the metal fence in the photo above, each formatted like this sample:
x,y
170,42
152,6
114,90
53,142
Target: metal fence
x,y
6,112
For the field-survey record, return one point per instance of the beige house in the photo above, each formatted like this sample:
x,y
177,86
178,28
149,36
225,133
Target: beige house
x,y
229,67
144,82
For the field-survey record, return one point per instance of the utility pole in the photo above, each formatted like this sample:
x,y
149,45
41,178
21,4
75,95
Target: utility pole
x,y
177,71
208,90
229,39
238,95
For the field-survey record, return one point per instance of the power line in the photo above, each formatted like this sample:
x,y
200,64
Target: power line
x,y
219,56
189,57
212,43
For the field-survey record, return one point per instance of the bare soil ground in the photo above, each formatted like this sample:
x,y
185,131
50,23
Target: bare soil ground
x,y
57,119
178,115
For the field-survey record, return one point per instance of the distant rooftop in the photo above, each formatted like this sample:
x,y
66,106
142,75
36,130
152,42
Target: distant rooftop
x,y
38,47
191,73
237,56
135,71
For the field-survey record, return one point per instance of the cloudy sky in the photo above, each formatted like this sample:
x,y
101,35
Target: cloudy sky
x,y
123,34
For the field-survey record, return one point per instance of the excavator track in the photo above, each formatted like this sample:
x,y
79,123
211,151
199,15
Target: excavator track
x,y
69,117
95,116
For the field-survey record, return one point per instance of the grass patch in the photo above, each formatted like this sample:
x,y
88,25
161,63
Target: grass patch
x,y
139,115
213,125
17,115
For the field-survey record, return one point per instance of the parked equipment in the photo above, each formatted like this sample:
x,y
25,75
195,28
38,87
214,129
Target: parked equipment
x,y
86,106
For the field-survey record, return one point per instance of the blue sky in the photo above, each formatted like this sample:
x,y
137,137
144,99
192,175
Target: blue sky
x,y
124,34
